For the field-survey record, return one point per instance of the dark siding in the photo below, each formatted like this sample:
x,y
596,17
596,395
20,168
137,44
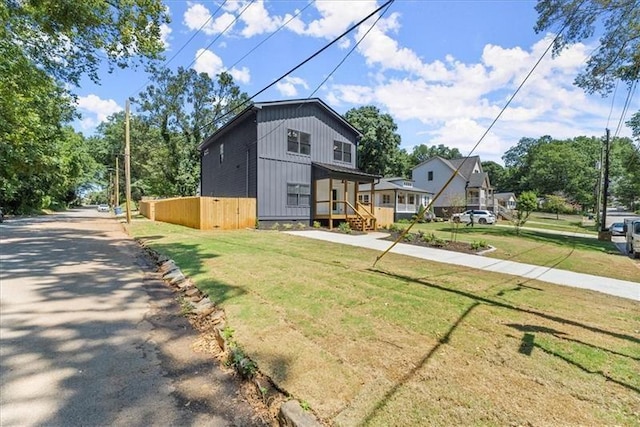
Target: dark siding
x,y
277,167
236,175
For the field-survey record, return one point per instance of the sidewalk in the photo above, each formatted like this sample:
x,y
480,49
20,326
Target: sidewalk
x,y
620,288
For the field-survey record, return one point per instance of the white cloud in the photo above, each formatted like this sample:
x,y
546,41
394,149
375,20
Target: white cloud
x,y
208,62
258,21
165,35
288,86
241,75
96,110
198,16
335,17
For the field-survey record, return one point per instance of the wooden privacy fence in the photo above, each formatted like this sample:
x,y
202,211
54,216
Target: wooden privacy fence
x,y
204,213
384,216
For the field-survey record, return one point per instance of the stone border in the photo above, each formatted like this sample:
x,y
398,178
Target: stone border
x,y
290,413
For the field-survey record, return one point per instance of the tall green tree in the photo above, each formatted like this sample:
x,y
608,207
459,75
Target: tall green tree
x,y
423,152
45,48
379,148
497,175
616,58
184,106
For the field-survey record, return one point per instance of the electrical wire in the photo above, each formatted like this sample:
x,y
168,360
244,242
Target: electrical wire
x,y
184,45
486,132
318,52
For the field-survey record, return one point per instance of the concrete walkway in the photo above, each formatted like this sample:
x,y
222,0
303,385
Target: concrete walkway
x,y
620,288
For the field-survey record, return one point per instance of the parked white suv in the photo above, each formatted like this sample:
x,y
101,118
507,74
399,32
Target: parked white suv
x,y
479,217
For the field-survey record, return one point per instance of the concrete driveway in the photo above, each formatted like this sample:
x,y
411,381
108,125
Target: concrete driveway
x,y
90,336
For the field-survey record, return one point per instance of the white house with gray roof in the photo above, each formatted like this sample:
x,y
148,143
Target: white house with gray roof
x,y
397,193
470,187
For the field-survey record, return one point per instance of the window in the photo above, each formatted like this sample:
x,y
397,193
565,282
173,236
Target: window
x,y
401,198
386,199
298,142
298,194
430,176
221,153
412,199
363,198
342,151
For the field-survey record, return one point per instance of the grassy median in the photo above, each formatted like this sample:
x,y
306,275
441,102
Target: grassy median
x,y
414,342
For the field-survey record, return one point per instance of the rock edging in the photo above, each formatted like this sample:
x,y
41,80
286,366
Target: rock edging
x,y
195,303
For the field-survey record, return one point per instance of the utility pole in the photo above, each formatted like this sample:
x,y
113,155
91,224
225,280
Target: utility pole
x,y
599,185
117,185
605,184
127,162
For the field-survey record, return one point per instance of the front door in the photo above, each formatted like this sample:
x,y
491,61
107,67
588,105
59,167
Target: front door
x,y
334,196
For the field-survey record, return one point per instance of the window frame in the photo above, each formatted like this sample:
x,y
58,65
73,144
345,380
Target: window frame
x,y
429,175
296,137
298,194
340,147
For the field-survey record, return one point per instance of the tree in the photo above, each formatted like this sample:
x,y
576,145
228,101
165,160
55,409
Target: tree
x,y
527,202
616,58
184,106
556,204
497,175
625,172
378,150
422,152
69,38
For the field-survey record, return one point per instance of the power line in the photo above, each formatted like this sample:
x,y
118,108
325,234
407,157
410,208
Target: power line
x,y
318,52
184,45
486,132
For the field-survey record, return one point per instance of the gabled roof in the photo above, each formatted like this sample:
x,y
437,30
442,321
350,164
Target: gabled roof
x,y
477,180
504,196
259,105
386,184
465,164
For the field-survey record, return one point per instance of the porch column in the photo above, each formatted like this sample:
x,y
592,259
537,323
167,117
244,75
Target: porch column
x,y
346,198
330,203
373,206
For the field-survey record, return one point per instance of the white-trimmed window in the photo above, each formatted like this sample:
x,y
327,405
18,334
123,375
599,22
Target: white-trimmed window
x,y
386,199
363,198
298,194
412,199
221,152
298,142
342,151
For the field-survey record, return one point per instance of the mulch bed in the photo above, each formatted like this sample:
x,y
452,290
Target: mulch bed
x,y
448,245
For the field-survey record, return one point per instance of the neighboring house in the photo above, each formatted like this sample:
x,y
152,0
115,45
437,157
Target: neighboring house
x,y
297,158
469,189
396,193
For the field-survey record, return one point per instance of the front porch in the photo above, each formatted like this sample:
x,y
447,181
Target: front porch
x,y
335,197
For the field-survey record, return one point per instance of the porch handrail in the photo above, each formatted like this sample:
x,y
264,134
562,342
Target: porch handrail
x,y
361,205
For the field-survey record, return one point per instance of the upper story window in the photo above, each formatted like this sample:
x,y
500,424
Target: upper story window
x,y
298,142
430,176
407,184
342,151
221,152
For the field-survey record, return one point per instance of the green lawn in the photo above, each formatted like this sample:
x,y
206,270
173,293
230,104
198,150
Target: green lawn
x,y
413,342
579,254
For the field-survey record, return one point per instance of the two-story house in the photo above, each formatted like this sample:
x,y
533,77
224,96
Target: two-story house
x,y
297,158
469,189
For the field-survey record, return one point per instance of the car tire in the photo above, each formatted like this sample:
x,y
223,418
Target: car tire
x,y
482,221
456,219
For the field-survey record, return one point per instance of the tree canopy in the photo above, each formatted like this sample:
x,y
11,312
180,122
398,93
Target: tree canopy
x,y
379,149
46,46
616,58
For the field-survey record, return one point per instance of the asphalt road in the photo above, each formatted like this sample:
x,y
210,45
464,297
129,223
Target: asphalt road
x,y
90,336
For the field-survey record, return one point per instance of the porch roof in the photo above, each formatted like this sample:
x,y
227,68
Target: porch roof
x,y
386,185
325,170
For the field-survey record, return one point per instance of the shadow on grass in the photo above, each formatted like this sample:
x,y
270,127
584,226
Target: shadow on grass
x,y
527,345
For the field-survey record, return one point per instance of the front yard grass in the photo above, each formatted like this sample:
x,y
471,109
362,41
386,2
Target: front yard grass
x,y
413,342
579,254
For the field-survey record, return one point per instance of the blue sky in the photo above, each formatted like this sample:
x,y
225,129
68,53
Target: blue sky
x,y
441,69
